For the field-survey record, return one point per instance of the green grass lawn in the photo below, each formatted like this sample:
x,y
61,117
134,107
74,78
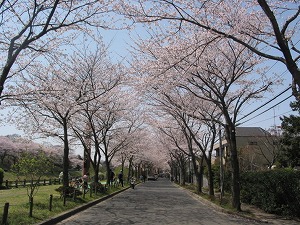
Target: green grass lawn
x,y
19,204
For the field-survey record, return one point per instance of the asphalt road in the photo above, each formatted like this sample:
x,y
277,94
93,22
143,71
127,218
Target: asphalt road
x,y
154,202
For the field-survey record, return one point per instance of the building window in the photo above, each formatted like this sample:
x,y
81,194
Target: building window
x,y
252,143
218,152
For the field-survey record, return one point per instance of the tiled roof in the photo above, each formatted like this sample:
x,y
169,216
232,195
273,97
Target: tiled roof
x,y
250,132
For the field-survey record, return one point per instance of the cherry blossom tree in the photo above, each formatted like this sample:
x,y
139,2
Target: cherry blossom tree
x,y
232,67
143,153
195,120
134,154
136,138
221,73
50,98
270,29
55,153
180,150
7,148
119,125
103,77
31,29
152,155
13,146
201,134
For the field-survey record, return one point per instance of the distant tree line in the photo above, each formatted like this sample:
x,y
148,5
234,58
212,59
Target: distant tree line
x,y
12,147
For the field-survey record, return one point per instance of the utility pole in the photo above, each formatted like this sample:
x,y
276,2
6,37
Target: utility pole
x,y
221,165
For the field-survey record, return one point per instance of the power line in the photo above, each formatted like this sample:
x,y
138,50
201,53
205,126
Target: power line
x,y
266,110
271,117
272,99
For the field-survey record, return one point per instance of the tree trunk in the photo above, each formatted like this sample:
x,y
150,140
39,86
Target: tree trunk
x,y
129,169
211,191
86,160
96,164
284,47
66,156
198,174
96,176
108,173
199,182
30,206
182,175
231,138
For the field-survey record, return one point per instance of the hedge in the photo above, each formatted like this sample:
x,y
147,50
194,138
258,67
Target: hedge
x,y
274,191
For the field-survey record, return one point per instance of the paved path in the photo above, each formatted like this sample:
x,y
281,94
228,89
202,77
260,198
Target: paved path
x,y
154,202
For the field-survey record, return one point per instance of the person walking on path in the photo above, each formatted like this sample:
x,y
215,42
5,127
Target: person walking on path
x,y
132,182
85,180
120,177
112,177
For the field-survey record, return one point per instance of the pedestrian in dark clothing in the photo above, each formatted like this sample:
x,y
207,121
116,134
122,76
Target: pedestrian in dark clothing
x,y
120,176
85,180
112,177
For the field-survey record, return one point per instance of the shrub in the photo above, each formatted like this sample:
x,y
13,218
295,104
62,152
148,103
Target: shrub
x,y
98,186
216,178
275,191
69,191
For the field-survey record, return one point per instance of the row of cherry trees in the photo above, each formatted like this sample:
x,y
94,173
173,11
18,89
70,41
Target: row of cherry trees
x,y
199,94
75,96
202,65
83,98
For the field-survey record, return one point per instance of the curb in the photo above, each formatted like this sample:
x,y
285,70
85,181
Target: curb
x,y
78,209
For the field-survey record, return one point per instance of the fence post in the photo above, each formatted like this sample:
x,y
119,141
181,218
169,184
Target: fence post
x,y
24,183
6,184
50,203
50,181
16,183
5,214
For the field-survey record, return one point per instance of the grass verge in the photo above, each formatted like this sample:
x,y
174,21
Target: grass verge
x,y
225,203
19,204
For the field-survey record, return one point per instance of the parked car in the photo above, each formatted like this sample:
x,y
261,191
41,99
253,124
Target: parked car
x,y
152,177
